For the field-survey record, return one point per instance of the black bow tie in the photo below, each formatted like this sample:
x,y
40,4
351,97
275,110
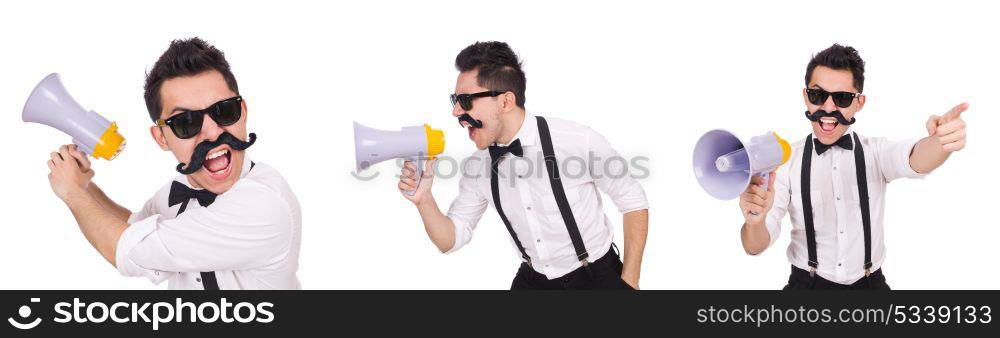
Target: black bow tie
x,y
844,142
181,194
497,152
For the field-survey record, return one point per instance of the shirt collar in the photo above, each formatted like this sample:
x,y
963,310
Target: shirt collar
x,y
527,133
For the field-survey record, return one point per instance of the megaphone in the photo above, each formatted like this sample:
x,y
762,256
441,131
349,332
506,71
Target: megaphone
x,y
723,164
50,104
416,143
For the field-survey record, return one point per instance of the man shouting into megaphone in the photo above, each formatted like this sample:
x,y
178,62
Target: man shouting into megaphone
x,y
834,185
552,211
226,222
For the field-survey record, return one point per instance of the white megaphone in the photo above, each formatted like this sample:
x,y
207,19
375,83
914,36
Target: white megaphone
x,y
50,104
724,164
416,143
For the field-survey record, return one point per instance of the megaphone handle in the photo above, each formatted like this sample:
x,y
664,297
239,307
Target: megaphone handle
x,y
419,163
765,176
83,148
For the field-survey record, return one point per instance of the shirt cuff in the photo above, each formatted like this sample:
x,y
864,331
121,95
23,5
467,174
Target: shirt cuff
x,y
130,238
636,208
773,228
904,158
460,238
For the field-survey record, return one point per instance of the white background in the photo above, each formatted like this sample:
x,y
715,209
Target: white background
x,y
651,77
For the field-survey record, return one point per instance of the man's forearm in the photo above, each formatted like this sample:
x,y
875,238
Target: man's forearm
x,y
101,228
439,227
116,210
927,155
635,227
755,238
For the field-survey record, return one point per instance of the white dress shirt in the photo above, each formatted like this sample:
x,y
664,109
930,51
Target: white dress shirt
x,y
527,200
840,241
249,236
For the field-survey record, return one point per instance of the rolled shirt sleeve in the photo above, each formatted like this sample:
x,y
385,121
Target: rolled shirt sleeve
x,y
247,227
894,158
467,208
610,172
782,201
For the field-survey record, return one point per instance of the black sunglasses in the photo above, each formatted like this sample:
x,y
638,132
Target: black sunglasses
x,y
188,124
842,99
466,99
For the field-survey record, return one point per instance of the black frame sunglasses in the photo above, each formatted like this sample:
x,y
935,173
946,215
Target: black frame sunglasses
x,y
817,96
465,100
188,124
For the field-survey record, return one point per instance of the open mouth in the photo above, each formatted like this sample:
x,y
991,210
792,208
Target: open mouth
x,y
471,129
219,162
828,124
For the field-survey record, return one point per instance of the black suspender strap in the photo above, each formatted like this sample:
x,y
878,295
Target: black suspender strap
x,y
495,186
208,280
557,190
807,214
866,217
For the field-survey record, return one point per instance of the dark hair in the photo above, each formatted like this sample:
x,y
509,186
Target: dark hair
x,y
499,68
840,58
187,57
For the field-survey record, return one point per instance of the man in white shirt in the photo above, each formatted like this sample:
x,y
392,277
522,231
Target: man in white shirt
x,y
834,184
227,222
542,175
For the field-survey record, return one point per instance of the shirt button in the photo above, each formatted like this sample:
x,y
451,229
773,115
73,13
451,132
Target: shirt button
x,y
838,198
838,264
519,176
529,208
834,167
538,241
198,280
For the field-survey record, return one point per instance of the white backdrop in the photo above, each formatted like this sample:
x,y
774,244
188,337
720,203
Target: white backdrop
x,y
651,77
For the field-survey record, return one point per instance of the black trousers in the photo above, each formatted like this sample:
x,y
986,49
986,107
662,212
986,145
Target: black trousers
x,y
605,273
800,280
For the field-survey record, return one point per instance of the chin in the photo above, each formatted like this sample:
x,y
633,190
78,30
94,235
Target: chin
x,y
223,177
828,136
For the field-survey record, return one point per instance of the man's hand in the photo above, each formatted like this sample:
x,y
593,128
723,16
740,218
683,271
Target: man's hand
x,y
946,134
631,279
949,129
408,181
755,202
69,172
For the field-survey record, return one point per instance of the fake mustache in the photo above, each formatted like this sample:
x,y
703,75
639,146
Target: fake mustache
x,y
836,114
472,122
202,149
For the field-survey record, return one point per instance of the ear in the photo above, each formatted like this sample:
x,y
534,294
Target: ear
x,y
244,104
805,97
508,101
861,101
157,133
